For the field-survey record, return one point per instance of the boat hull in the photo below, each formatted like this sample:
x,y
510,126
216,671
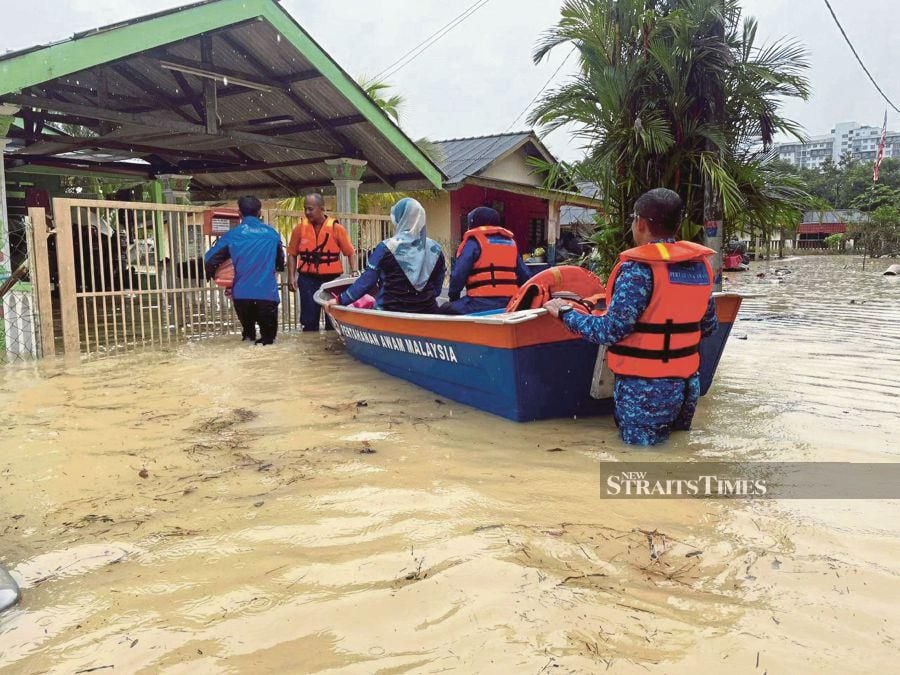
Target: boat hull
x,y
524,370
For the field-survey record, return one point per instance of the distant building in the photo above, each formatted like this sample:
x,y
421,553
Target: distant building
x,y
847,137
817,225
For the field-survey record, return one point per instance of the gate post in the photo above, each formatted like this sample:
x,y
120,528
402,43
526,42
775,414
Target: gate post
x,y
40,272
65,258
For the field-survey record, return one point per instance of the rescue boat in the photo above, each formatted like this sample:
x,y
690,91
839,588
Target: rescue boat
x,y
523,365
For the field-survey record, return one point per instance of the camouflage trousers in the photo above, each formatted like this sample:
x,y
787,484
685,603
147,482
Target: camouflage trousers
x,y
648,410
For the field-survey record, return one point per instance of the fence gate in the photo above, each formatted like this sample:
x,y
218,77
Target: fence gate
x,y
130,274
20,336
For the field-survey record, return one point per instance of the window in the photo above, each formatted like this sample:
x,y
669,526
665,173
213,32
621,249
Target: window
x,y
536,232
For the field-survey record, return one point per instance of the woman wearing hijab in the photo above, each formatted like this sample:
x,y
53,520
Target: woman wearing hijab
x,y
407,269
488,266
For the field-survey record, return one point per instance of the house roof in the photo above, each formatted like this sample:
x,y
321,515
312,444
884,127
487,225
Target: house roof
x,y
576,215
462,158
842,216
234,92
465,160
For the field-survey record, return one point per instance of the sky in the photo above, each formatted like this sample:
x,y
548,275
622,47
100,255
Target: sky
x,y
480,77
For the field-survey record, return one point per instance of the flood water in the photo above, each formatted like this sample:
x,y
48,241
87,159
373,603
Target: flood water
x,y
219,508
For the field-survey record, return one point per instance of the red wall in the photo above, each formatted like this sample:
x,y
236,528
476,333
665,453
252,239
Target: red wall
x,y
822,228
516,212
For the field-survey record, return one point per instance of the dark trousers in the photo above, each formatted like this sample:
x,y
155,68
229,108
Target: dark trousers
x,y
310,310
262,312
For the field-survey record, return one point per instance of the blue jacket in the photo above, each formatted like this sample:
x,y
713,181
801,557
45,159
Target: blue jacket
x,y
256,252
466,261
395,293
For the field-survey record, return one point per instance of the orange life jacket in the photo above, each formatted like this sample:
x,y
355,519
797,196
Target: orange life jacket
x,y
568,281
666,338
494,273
319,254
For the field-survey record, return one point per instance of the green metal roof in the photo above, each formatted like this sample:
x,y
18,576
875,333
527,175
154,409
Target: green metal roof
x,y
284,106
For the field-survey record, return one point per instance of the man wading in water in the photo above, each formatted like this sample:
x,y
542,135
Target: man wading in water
x,y
255,251
315,252
660,304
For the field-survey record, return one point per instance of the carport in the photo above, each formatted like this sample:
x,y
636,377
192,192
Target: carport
x,y
212,100
231,93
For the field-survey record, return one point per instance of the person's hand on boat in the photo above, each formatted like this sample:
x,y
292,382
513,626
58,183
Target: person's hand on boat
x,y
556,307
330,302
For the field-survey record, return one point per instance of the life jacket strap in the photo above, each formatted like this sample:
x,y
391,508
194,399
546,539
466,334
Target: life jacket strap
x,y
319,256
667,328
664,355
493,281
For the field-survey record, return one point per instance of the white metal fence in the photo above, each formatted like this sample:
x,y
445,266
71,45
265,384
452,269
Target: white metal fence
x,y
130,274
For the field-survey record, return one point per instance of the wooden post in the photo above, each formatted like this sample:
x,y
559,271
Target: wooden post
x,y
553,225
210,94
65,260
41,279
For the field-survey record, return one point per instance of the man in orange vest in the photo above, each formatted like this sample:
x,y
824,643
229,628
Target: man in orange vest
x,y
314,258
660,304
488,266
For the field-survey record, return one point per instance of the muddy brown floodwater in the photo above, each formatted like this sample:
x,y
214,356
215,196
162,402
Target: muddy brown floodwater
x,y
219,508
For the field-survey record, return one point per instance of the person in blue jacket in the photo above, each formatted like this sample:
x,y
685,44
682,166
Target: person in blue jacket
x,y
473,264
256,252
406,272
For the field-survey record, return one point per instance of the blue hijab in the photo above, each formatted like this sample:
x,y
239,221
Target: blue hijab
x,y
415,253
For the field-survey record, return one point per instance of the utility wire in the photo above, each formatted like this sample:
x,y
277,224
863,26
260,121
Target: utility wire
x,y
863,65
432,40
542,90
420,48
490,148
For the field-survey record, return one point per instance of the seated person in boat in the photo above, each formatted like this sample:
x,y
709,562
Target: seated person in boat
x,y
488,266
407,270
660,304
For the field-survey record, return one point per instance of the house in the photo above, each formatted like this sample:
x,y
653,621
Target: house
x,y
498,171
817,225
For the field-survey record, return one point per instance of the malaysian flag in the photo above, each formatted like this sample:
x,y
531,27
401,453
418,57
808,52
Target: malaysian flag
x,y
880,156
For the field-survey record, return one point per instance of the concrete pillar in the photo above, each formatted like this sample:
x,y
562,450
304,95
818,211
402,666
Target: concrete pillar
x,y
175,188
346,175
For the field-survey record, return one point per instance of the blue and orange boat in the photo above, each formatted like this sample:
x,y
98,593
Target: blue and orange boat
x,y
522,365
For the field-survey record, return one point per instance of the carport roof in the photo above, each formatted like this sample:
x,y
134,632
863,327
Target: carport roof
x,y
233,92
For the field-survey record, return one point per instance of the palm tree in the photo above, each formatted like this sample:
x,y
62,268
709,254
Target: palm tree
x,y
376,90
644,102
